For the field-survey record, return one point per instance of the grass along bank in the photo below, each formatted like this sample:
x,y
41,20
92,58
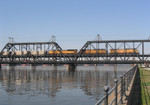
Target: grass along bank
x,y
145,86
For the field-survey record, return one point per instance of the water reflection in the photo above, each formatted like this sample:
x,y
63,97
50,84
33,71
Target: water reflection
x,y
56,82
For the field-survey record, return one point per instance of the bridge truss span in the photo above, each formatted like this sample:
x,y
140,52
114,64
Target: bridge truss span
x,y
116,51
93,52
31,52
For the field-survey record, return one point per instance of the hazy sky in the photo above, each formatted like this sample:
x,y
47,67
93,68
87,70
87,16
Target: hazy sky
x,y
73,22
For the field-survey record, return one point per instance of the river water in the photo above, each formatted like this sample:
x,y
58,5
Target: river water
x,y
55,85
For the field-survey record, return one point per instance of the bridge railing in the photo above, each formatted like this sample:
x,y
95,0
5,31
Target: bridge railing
x,y
115,95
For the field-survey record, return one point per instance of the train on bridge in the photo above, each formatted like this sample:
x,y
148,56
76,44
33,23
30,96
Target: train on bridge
x,y
92,52
71,51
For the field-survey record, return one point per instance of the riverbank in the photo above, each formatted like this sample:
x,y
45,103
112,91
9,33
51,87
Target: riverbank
x,y
145,86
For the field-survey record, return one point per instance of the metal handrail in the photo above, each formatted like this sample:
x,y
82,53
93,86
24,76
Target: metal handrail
x,y
111,90
101,100
124,82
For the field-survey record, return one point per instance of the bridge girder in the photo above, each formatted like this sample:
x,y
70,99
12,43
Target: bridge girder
x,y
140,45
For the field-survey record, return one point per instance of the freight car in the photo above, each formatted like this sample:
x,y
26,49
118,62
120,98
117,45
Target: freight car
x,y
68,51
95,51
123,51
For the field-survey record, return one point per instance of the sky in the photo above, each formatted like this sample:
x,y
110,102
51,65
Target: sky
x,y
73,22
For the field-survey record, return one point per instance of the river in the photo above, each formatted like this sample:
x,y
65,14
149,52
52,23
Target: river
x,y
55,85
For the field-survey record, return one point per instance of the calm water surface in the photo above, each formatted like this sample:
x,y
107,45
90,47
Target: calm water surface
x,y
49,85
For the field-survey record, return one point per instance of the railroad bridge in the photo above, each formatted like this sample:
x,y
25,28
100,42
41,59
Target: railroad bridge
x,y
93,52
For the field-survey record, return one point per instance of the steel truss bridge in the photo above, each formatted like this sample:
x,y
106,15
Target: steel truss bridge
x,y
143,46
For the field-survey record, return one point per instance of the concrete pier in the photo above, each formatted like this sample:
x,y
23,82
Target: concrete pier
x,y
115,70
54,66
33,67
11,66
71,67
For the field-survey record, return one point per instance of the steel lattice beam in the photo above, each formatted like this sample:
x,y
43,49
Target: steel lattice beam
x,y
79,58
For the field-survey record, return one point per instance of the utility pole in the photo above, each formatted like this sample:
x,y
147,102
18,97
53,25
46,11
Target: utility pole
x,y
53,38
11,40
98,38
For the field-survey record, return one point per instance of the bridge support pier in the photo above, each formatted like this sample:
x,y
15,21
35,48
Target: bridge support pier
x,y
71,67
54,66
95,65
33,67
115,71
11,66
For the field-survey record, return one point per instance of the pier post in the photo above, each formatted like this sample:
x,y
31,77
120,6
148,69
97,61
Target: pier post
x,y
12,66
71,67
33,67
54,66
115,70
106,78
95,65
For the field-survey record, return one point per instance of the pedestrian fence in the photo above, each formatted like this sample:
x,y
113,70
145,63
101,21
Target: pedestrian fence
x,y
115,95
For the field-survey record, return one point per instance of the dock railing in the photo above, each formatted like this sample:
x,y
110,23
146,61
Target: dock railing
x,y
115,95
